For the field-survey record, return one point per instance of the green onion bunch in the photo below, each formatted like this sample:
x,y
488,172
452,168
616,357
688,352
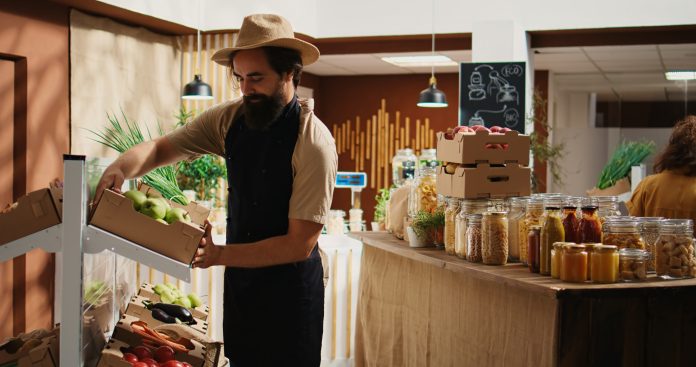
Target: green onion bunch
x,y
627,155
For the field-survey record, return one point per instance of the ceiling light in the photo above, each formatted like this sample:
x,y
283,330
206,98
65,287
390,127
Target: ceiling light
x,y
681,75
431,96
197,89
420,61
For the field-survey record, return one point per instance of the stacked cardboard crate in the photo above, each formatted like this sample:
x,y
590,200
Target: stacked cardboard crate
x,y
483,165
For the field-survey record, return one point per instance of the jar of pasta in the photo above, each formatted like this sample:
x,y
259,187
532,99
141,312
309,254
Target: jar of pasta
x,y
650,230
674,249
516,244
494,238
604,264
574,263
473,238
622,232
423,195
551,231
451,212
633,264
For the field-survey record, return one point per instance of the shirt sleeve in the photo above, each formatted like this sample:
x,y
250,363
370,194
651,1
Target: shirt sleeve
x,y
636,204
200,136
315,177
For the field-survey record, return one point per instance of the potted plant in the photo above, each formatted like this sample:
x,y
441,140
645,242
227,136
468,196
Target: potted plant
x,y
542,149
382,198
427,228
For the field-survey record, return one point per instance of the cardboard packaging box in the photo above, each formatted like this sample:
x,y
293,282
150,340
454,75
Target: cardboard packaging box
x,y
112,355
137,308
34,212
43,352
484,181
115,213
146,290
482,147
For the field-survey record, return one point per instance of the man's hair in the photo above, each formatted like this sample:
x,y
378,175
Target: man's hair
x,y
680,153
282,60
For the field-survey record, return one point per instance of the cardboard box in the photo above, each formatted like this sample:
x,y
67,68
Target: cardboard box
x,y
115,213
475,148
146,290
112,355
621,186
137,308
484,181
43,354
34,212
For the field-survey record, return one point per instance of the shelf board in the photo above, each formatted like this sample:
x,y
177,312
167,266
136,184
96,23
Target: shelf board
x,y
48,239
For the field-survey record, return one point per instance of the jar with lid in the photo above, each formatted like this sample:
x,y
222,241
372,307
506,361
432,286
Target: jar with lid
x,y
589,226
423,194
622,232
633,264
533,247
466,207
607,206
570,219
427,158
551,231
604,264
336,223
574,263
532,217
517,206
674,249
403,166
451,212
494,238
589,247
556,253
650,230
473,238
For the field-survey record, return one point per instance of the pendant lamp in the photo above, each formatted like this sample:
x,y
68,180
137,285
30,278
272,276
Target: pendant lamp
x,y
431,96
198,89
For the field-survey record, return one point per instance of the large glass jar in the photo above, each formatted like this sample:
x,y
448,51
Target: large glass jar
x,y
451,212
460,235
533,248
467,207
570,219
608,206
674,249
589,227
403,166
633,264
650,231
473,238
423,193
551,232
532,217
574,263
494,238
427,158
517,206
622,232
604,264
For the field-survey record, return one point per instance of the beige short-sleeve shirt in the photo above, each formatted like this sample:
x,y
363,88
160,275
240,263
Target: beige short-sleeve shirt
x,y
314,160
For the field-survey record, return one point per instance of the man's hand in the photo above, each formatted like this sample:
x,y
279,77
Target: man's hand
x,y
208,254
112,178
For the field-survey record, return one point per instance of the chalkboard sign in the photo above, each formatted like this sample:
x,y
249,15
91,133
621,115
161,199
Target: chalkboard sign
x,y
492,93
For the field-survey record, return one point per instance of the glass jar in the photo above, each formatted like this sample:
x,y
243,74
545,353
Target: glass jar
x,y
427,158
336,223
494,238
589,227
423,195
556,253
473,238
551,232
570,219
650,230
633,264
607,206
604,264
589,247
517,206
403,166
533,247
674,249
532,217
460,235
451,212
466,207
574,263
622,232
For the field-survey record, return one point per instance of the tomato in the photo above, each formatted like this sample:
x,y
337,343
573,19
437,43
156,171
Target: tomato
x,y
140,364
186,364
150,362
142,352
164,354
130,357
173,363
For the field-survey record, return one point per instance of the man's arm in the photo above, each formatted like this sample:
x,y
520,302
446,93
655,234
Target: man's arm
x,y
295,246
138,161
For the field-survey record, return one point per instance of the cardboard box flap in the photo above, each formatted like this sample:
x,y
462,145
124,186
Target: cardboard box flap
x,y
484,147
34,211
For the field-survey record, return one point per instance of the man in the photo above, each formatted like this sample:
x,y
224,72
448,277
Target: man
x,y
281,163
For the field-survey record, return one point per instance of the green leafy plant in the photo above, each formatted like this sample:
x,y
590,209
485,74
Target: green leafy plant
x,y
123,135
202,174
382,198
542,149
426,224
627,155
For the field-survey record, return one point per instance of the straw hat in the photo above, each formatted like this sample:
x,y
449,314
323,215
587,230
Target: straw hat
x,y
259,30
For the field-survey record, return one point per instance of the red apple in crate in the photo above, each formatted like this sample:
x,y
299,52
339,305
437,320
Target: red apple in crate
x,y
496,129
140,364
130,357
164,354
150,362
142,352
173,363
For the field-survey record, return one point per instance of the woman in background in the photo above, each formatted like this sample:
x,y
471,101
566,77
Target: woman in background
x,y
671,192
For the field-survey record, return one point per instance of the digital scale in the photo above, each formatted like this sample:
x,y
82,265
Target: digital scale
x,y
355,181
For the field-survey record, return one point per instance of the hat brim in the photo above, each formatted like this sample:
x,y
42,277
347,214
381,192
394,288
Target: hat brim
x,y
308,51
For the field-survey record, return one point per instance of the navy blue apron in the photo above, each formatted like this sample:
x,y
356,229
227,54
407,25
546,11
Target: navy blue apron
x,y
273,316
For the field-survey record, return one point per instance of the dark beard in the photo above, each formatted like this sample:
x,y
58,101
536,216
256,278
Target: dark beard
x,y
260,111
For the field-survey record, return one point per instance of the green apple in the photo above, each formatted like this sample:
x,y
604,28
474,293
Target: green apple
x,y
162,221
137,197
162,200
195,300
154,209
177,214
183,301
159,288
167,298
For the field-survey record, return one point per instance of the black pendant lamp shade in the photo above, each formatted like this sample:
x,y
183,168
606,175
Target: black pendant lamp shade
x,y
197,89
431,96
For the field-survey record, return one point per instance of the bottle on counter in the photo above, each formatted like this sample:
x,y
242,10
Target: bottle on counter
x,y
589,227
574,263
570,219
650,231
403,166
633,265
494,238
605,264
473,238
517,236
532,216
451,212
551,231
533,248
674,249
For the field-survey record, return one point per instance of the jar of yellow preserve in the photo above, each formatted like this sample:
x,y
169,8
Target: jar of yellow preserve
x,y
605,264
574,263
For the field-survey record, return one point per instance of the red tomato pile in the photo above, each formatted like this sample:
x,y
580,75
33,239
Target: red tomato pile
x,y
142,356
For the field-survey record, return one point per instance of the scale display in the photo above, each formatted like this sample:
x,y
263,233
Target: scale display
x,y
351,180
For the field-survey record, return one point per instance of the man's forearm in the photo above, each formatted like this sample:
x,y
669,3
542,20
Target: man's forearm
x,y
268,252
138,160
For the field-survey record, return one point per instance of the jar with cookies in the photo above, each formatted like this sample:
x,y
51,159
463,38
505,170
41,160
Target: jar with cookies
x,y
674,249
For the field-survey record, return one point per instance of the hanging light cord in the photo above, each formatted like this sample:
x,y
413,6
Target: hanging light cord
x,y
432,28
198,39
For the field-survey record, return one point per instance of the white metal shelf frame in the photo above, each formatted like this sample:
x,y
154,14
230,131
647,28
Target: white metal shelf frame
x,y
48,239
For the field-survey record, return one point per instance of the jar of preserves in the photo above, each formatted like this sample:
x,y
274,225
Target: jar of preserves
x,y
451,212
532,217
574,263
605,264
473,238
517,206
423,194
607,206
633,264
403,166
650,230
556,253
589,247
427,158
589,227
570,219
533,248
494,238
551,231
674,249
622,232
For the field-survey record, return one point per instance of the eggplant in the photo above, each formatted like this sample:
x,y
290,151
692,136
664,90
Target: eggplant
x,y
160,315
175,311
